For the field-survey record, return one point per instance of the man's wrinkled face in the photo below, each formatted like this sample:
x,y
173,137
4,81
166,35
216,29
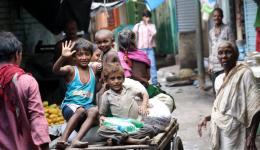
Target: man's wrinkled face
x,y
217,17
227,57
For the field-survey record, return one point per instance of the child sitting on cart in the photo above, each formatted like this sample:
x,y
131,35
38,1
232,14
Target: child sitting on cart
x,y
136,65
135,62
127,102
78,101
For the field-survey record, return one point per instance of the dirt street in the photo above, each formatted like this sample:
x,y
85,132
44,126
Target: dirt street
x,y
192,105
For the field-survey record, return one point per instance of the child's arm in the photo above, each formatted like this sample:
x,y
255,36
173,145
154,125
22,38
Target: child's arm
x,y
104,106
112,57
143,108
97,66
148,72
67,52
140,79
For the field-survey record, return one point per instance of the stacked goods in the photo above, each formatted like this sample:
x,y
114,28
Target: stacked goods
x,y
53,114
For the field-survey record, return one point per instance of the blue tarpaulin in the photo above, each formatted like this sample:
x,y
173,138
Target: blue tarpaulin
x,y
152,4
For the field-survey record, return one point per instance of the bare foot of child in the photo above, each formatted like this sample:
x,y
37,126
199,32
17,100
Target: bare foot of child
x,y
109,142
61,145
145,140
79,144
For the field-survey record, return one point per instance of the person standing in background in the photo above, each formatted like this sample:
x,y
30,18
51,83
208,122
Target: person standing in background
x,y
23,124
218,33
145,35
70,29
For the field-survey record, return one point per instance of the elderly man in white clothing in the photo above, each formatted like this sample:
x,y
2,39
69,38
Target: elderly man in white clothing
x,y
236,110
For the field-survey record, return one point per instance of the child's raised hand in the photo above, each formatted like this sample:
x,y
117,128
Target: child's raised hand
x,y
67,49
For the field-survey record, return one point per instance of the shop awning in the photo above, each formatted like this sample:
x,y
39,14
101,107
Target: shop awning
x,y
153,4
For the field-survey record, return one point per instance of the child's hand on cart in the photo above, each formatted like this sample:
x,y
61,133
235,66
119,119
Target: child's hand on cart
x,y
101,119
143,110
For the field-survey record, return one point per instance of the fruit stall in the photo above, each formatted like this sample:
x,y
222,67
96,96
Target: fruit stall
x,y
53,114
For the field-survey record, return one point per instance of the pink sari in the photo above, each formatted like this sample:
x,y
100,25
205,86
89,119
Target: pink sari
x,y
136,55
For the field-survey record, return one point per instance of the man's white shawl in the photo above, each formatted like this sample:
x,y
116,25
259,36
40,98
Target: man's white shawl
x,y
238,99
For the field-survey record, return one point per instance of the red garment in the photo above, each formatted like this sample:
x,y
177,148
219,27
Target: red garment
x,y
7,73
258,39
23,125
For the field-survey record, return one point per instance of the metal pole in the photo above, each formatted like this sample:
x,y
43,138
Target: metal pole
x,y
199,47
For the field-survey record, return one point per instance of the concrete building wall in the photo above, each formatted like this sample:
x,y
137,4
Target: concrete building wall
x,y
187,50
14,18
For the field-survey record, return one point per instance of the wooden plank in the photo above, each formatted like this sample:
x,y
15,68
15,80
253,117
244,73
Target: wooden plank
x,y
114,147
168,138
157,139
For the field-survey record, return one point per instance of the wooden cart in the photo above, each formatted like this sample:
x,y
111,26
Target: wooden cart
x,y
167,140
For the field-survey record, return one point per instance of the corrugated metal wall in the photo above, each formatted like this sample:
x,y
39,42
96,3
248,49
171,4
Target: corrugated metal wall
x,y
16,19
186,15
250,9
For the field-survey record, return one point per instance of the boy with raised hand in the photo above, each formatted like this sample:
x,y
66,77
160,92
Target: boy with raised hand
x,y
78,101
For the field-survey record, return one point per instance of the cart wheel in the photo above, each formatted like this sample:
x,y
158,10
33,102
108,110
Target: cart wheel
x,y
177,143
168,146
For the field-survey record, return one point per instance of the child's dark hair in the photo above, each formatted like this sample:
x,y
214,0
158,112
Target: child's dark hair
x,y
126,39
112,68
147,13
84,44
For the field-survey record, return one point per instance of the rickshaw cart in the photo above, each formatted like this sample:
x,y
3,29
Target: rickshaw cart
x,y
163,141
